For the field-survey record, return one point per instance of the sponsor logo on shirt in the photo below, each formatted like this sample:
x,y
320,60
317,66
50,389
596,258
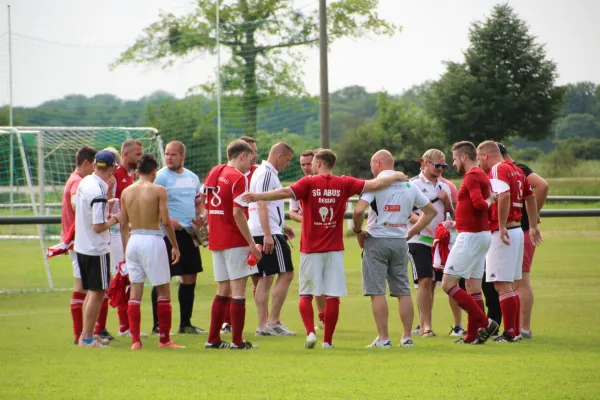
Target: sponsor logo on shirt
x,y
218,212
390,225
392,208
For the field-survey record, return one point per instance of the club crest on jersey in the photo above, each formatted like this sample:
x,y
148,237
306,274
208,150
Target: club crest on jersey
x,y
324,211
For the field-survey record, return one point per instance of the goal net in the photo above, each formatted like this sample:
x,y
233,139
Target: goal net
x,y
35,163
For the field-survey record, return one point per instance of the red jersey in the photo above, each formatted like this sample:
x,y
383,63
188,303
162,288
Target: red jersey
x,y
123,180
519,189
222,196
472,209
68,214
251,171
323,199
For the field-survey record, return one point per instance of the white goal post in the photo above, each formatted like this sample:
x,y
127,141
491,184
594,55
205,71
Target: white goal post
x,y
36,161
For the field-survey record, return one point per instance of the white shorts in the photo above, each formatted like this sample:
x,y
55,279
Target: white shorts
x,y
76,271
467,256
323,274
504,263
232,264
116,252
147,258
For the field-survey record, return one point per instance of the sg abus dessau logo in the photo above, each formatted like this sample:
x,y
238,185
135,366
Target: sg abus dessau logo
x,y
323,211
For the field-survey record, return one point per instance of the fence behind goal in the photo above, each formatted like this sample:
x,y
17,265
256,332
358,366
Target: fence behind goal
x,y
35,163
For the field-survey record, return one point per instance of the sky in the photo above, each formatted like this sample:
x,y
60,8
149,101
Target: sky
x,y
63,47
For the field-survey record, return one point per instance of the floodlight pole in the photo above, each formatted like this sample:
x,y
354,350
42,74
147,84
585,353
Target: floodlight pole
x,y
324,75
218,84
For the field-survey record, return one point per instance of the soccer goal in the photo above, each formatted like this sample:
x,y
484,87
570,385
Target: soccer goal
x,y
35,163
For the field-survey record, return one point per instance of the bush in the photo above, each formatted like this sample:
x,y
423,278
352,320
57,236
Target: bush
x,y
560,162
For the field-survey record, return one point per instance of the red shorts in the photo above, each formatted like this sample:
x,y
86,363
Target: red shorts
x,y
528,252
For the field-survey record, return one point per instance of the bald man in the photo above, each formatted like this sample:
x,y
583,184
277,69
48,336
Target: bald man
x,y
385,255
266,221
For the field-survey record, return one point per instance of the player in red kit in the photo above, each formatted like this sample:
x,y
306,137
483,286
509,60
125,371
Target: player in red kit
x,y
504,259
467,256
231,242
323,198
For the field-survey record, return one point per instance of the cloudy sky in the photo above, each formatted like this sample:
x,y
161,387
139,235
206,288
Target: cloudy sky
x,y
64,47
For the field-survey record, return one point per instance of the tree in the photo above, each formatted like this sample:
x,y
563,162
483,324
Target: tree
x,y
582,126
261,36
504,88
405,132
580,98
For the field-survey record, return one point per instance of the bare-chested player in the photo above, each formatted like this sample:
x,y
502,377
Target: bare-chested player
x,y
144,206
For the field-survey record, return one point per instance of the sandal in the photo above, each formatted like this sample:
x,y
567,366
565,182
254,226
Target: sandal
x,y
428,333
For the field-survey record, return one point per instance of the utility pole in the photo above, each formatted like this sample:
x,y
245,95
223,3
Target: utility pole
x,y
324,74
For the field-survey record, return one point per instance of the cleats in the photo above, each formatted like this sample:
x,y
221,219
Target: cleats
x,y
406,342
526,334
128,334
191,330
327,345
417,330
463,341
311,341
136,346
277,330
170,345
225,329
101,340
485,333
217,345
245,345
105,335
506,338
95,344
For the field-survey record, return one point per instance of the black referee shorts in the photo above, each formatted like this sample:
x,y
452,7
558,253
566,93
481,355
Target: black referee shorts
x,y
280,260
189,259
95,271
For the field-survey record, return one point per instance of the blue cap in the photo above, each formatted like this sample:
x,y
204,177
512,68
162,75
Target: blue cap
x,y
105,158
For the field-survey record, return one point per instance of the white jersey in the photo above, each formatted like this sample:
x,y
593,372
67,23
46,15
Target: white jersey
x,y
431,191
391,208
264,179
91,205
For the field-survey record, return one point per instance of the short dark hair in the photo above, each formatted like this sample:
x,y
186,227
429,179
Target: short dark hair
x,y
327,157
466,147
238,147
180,145
247,139
307,153
85,154
147,164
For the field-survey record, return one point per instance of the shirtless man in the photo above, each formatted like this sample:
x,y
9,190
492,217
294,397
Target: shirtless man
x,y
144,206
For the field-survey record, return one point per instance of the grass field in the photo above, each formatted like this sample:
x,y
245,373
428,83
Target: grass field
x,y
562,361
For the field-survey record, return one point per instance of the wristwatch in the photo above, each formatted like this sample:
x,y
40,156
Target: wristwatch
x,y
360,231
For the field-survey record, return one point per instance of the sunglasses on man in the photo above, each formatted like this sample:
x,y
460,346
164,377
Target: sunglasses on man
x,y
438,165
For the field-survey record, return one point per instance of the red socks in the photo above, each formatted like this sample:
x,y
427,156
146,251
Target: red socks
x,y
220,308
471,324
135,316
322,317
509,304
227,318
123,318
77,313
332,311
238,318
101,323
518,314
164,318
307,313
469,304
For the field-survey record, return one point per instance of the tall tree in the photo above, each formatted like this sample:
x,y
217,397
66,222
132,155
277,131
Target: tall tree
x,y
260,35
580,98
504,88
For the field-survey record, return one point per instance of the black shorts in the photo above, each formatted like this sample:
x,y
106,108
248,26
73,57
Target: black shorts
x,y
189,259
280,260
95,271
421,260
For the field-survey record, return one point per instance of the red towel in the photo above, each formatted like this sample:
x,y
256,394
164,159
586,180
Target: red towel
x,y
441,246
63,247
118,293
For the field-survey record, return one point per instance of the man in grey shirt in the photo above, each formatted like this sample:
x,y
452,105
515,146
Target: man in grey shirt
x,y
385,248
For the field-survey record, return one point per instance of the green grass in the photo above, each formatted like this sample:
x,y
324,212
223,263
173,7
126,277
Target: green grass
x,y
562,361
